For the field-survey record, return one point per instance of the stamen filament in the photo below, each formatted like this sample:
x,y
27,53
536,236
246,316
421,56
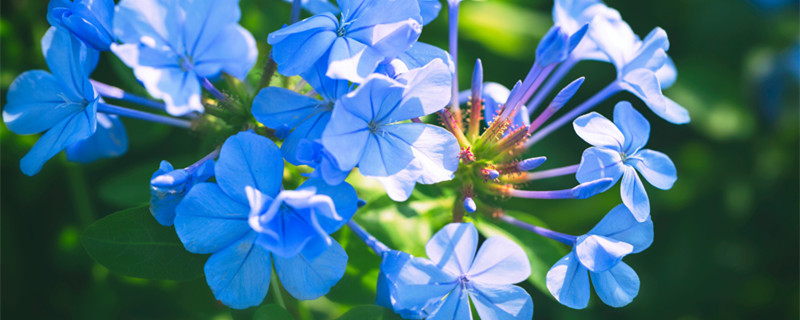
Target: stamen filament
x,y
136,114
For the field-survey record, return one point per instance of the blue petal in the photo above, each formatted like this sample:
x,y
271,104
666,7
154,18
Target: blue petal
x,y
345,200
616,287
673,112
598,253
650,54
298,47
615,38
393,261
499,262
311,129
239,274
150,19
644,84
633,194
421,54
388,153
657,168
619,224
667,74
345,136
318,6
308,279
232,50
453,248
109,140
35,103
90,21
455,306
207,220
76,127
330,89
633,125
290,225
71,62
420,284
429,9
425,92
248,159
276,107
597,163
494,96
431,149
352,60
553,47
502,302
599,131
371,20
568,282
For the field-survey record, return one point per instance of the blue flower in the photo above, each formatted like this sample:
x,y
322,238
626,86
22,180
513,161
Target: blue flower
x,y
168,186
600,252
365,130
417,56
109,140
304,118
246,222
369,32
89,20
63,102
618,153
173,45
443,286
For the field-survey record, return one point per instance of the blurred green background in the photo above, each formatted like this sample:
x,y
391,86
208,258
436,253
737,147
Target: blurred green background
x,y
726,235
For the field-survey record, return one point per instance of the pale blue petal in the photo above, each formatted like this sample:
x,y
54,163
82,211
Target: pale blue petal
x,y
390,151
88,20
501,302
345,200
386,296
74,128
232,50
599,131
276,107
619,224
207,220
429,9
500,262
453,248
298,47
421,54
248,159
598,163
633,194
425,92
667,74
568,282
35,103
311,129
673,112
109,140
345,136
598,253
70,61
239,274
371,20
209,19
290,224
615,38
153,20
420,284
651,52
330,89
455,306
616,287
633,125
657,168
317,6
352,60
307,279
644,84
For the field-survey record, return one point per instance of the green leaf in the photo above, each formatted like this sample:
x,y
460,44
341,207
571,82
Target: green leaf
x,y
272,312
369,313
542,252
132,243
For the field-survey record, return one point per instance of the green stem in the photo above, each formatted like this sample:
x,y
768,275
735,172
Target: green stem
x,y
276,290
83,203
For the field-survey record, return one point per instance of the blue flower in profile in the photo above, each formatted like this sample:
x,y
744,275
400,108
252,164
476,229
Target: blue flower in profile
x,y
443,286
174,46
618,153
598,255
168,186
89,20
368,129
369,32
108,141
246,222
61,102
304,118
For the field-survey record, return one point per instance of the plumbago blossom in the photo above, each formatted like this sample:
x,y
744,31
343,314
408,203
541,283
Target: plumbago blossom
x,y
360,94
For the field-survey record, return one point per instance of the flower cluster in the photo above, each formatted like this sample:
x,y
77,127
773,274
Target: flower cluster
x,y
361,94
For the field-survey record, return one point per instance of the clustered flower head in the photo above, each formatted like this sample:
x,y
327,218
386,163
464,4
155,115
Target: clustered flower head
x,y
361,94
